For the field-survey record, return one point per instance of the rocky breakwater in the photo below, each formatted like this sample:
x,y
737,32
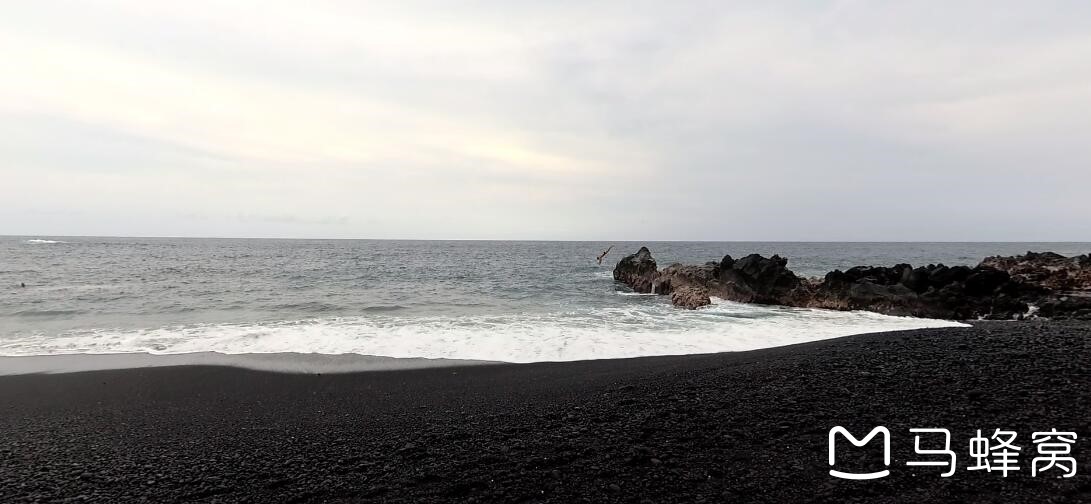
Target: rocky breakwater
x,y
998,288
1050,270
1068,279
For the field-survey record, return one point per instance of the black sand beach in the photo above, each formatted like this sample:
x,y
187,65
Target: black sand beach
x,y
744,427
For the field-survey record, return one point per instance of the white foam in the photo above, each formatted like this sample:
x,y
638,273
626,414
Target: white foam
x,y
36,241
629,331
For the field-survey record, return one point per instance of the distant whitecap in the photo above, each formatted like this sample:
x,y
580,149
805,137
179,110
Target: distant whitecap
x,y
39,241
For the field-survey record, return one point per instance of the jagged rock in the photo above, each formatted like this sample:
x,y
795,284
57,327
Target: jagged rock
x,y
1046,269
917,279
638,271
873,290
877,275
756,279
985,280
676,276
690,298
1071,307
934,291
999,288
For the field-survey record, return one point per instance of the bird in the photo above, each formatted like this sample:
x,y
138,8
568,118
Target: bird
x,y
603,254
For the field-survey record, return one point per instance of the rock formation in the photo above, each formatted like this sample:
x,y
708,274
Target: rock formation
x,y
1052,271
998,288
933,291
638,271
690,297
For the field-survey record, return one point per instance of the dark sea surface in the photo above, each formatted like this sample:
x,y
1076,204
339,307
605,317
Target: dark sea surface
x,y
499,300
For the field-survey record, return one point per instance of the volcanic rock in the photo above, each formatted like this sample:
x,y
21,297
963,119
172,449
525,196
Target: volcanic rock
x,y
690,298
638,271
1047,269
998,288
760,279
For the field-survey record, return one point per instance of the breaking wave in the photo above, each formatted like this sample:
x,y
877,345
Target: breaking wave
x,y
37,241
600,333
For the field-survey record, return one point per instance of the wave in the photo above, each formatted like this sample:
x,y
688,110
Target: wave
x,y
383,308
310,306
46,313
38,241
319,307
615,332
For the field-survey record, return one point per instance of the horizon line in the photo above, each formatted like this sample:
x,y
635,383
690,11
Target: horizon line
x,y
190,237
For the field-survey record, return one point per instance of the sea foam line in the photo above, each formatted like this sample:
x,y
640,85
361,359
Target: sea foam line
x,y
616,332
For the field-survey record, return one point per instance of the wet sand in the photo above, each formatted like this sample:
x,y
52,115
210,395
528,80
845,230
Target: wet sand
x,y
283,362
734,427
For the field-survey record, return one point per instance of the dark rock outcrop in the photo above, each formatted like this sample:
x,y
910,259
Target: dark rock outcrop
x,y
999,288
638,271
677,276
934,291
1047,269
756,279
690,297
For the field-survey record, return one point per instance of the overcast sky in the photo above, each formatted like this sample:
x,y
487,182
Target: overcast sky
x,y
634,120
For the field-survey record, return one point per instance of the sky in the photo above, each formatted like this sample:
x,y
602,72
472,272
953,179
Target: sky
x,y
627,120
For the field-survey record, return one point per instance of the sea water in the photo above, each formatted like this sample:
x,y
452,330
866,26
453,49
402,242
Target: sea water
x,y
514,301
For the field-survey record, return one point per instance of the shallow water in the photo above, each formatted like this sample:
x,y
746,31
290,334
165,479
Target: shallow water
x,y
507,301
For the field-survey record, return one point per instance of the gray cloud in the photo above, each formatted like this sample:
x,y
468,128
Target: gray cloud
x,y
617,120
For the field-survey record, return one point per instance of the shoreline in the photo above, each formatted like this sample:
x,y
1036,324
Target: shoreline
x,y
745,426
553,344
309,362
282,362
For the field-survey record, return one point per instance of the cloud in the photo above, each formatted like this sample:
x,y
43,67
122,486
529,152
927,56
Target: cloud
x,y
561,120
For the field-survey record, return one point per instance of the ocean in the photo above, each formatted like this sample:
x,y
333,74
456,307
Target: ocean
x,y
512,301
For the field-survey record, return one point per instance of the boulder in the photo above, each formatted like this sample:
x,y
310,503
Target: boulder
x,y
918,279
681,275
941,276
757,279
985,280
1069,307
690,297
877,275
638,271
